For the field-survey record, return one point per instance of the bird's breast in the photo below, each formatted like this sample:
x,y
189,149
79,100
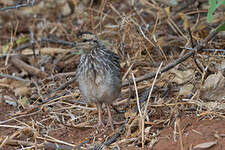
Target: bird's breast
x,y
99,78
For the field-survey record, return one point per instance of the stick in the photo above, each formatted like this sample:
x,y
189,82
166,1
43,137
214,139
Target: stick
x,y
19,6
13,77
30,69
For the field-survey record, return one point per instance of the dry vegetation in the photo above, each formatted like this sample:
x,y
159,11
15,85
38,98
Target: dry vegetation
x,y
180,106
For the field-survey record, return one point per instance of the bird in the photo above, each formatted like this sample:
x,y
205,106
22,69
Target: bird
x,y
98,74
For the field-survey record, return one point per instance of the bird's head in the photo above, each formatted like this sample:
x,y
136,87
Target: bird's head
x,y
86,41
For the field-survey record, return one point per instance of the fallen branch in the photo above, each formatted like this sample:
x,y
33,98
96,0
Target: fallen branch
x,y
30,69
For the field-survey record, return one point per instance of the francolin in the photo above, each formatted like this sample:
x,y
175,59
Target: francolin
x,y
98,74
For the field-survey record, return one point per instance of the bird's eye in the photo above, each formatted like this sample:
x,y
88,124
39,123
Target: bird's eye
x,y
95,41
85,40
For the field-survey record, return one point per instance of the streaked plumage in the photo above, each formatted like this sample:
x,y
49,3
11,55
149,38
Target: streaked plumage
x,y
98,73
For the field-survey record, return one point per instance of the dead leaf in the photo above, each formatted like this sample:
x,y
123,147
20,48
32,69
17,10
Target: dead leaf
x,y
213,88
130,114
22,91
205,145
222,67
184,18
186,89
182,76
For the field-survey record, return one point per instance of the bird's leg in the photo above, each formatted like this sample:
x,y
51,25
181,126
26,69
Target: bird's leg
x,y
110,121
99,107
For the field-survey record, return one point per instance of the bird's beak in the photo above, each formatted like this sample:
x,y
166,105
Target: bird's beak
x,y
82,47
80,44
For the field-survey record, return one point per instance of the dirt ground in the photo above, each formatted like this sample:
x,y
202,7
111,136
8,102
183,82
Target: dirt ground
x,y
194,131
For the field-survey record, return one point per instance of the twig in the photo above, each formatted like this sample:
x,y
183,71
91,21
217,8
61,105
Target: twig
x,y
179,60
61,75
150,92
206,49
5,55
130,94
44,39
58,41
13,77
63,86
190,36
75,106
22,47
11,126
180,133
182,6
55,97
18,6
139,109
145,36
26,115
11,43
51,100
3,142
192,45
146,106
49,138
38,89
110,140
32,41
116,135
138,103
213,113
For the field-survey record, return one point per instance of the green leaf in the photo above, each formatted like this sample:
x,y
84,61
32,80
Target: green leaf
x,y
209,17
214,4
5,48
221,28
220,2
212,8
21,40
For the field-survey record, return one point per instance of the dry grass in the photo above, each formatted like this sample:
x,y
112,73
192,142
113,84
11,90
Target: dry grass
x,y
147,35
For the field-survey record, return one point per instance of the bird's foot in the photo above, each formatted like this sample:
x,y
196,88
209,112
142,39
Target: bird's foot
x,y
111,123
99,125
